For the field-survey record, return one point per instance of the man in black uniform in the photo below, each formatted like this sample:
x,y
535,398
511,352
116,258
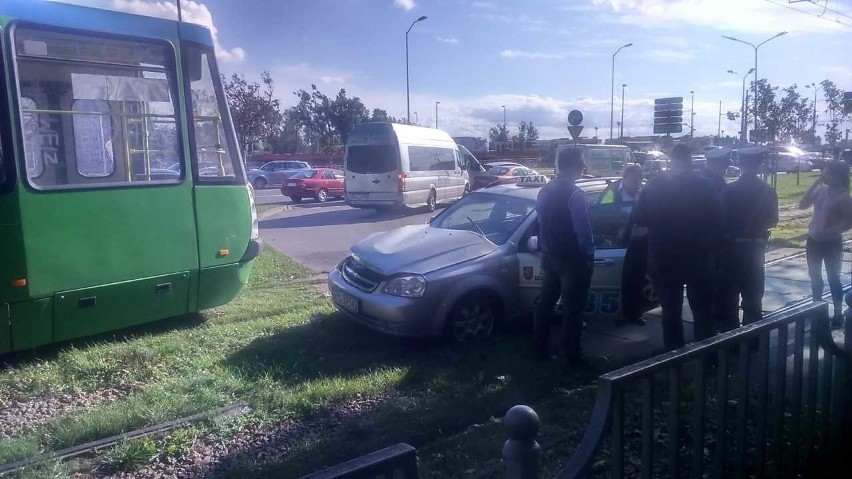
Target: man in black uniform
x,y
636,242
751,209
568,256
683,214
718,161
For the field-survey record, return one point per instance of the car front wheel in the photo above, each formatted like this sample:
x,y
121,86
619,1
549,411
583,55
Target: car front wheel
x,y
260,183
322,195
432,201
472,319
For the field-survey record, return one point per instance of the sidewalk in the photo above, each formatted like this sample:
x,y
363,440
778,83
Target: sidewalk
x,y
787,281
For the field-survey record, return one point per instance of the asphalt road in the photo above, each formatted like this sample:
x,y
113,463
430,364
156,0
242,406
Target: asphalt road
x,y
319,235
272,196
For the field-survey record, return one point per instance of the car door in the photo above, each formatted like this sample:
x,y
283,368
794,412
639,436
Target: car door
x,y
609,222
338,182
274,170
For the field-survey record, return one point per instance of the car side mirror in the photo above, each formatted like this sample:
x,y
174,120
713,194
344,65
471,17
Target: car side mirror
x,y
532,244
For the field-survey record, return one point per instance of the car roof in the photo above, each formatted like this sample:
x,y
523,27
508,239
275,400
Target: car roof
x,y
590,185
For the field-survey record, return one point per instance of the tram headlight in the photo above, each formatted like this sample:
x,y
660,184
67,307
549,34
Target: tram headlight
x,y
255,230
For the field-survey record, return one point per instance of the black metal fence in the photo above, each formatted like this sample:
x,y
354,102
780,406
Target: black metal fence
x,y
395,462
768,399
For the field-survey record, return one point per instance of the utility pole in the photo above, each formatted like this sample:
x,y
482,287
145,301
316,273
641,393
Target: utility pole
x,y
719,128
621,128
612,89
416,119
692,117
504,117
436,114
407,99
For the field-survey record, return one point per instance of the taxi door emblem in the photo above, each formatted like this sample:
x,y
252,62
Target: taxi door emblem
x,y
528,273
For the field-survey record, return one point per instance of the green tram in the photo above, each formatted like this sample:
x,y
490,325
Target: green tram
x,y
123,197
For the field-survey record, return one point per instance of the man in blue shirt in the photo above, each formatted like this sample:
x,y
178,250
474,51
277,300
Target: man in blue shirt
x,y
567,244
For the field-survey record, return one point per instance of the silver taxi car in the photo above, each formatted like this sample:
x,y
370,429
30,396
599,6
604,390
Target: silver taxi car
x,y
473,266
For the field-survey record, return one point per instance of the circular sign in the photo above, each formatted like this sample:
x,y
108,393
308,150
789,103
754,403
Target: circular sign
x,y
575,117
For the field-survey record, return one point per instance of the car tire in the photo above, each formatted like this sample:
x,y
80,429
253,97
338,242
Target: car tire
x,y
466,190
322,195
473,318
296,199
432,201
649,294
259,183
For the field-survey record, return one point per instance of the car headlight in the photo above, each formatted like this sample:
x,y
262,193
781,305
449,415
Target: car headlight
x,y
406,286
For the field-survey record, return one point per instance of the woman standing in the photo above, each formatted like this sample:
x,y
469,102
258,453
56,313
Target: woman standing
x,y
832,204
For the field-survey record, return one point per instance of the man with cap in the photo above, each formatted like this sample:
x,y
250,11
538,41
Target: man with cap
x,y
751,210
718,161
683,214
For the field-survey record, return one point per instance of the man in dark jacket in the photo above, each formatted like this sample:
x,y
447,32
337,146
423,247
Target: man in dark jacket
x,y
565,239
636,241
751,210
683,214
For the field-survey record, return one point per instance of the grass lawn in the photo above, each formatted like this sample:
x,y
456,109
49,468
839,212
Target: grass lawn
x,y
282,349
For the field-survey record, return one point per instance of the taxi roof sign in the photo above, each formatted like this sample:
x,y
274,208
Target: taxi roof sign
x,y
532,181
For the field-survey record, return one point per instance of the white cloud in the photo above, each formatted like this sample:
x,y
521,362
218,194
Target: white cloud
x,y
448,39
192,11
659,55
838,72
483,5
405,4
530,55
749,16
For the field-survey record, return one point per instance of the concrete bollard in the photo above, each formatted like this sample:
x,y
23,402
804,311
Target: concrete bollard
x,y
521,452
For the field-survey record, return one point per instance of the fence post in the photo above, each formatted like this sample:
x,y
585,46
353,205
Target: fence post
x,y
521,452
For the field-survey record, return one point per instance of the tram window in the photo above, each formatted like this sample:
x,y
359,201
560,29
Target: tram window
x,y
97,111
214,156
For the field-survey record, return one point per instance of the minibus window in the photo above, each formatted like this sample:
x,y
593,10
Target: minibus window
x,y
363,159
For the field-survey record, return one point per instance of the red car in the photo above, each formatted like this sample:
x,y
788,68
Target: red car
x,y
318,183
501,174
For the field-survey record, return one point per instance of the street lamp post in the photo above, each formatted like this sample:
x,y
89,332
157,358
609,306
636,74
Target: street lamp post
x,y
621,129
612,89
692,116
756,47
743,117
816,90
416,119
436,114
504,117
407,99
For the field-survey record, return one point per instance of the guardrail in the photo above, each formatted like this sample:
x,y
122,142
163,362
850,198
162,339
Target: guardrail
x,y
769,398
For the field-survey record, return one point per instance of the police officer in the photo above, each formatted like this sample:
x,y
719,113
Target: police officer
x,y
636,241
565,239
683,214
751,210
718,161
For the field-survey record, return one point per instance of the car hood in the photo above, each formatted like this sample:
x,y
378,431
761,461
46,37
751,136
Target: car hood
x,y
420,249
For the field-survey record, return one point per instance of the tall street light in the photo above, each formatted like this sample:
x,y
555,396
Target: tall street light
x,y
621,129
612,89
779,34
743,117
692,116
416,119
504,117
816,89
407,99
436,114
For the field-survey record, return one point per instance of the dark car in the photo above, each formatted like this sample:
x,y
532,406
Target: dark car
x,y
319,184
502,174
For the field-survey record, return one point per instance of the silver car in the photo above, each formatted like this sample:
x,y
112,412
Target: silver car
x,y
275,172
472,266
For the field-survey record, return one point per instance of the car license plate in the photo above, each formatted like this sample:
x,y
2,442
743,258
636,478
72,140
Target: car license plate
x,y
345,300
358,196
291,184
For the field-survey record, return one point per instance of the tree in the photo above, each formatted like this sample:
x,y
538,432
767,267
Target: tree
x,y
733,115
498,133
255,111
289,138
767,112
794,113
836,115
527,132
326,122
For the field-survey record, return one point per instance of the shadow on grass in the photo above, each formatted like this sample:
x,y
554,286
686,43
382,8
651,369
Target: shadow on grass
x,y
445,389
52,351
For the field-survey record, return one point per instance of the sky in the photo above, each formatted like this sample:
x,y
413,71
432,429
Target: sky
x,y
538,58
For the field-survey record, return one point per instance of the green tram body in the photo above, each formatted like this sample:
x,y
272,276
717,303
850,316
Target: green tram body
x,y
123,198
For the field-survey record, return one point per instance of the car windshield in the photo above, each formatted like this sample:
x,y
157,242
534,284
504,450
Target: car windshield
x,y
498,170
494,216
305,174
365,159
269,166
